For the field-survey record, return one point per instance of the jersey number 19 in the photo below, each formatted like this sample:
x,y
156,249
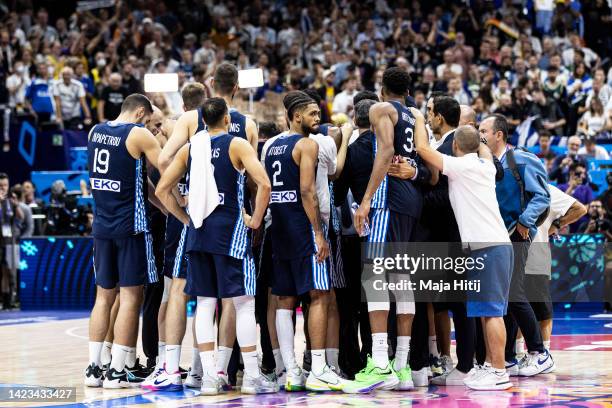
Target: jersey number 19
x,y
101,159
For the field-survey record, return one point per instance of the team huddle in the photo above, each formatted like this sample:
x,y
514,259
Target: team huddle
x,y
221,189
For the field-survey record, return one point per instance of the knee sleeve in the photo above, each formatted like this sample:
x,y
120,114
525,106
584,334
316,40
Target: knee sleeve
x,y
166,294
374,306
246,326
405,307
204,325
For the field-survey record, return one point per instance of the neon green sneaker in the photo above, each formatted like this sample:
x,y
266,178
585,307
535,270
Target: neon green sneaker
x,y
405,378
386,377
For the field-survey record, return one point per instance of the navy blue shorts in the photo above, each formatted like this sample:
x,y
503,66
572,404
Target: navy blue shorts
x,y
293,277
219,276
175,264
388,226
124,261
492,299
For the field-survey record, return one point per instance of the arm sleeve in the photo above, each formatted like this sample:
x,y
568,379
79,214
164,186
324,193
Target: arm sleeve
x,y
451,166
328,153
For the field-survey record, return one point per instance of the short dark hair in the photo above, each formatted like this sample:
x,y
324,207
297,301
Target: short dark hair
x,y
213,111
448,108
362,113
226,78
500,124
396,80
362,95
17,189
268,129
296,100
575,165
313,94
135,101
193,95
3,176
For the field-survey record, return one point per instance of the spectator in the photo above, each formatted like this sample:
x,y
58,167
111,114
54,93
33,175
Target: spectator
x,y
10,218
272,85
550,115
343,102
543,150
455,90
70,99
132,84
553,85
206,53
450,65
38,96
561,165
590,150
596,222
263,30
111,98
593,120
578,187
86,81
16,84
578,87
42,26
26,225
600,89
606,196
509,110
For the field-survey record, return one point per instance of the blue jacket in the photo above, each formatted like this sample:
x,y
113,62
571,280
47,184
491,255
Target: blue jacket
x,y
537,200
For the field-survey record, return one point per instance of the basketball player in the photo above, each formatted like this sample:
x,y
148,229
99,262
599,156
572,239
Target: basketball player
x,y
122,243
223,267
394,205
225,85
174,300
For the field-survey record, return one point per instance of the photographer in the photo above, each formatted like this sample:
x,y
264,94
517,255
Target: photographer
x,y
578,187
597,222
62,214
10,216
561,165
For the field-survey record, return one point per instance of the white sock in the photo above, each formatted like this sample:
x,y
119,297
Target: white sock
x,y
224,354
95,348
284,331
380,350
105,354
196,364
251,365
433,346
173,356
278,360
519,346
207,358
318,361
332,356
547,344
130,359
119,353
401,353
161,354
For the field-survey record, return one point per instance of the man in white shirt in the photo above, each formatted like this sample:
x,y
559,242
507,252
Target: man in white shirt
x,y
471,178
343,102
564,210
69,97
593,151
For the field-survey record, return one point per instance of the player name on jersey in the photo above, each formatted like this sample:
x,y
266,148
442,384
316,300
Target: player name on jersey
x,y
105,139
408,118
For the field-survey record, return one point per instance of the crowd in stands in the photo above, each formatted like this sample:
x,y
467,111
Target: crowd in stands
x,y
543,64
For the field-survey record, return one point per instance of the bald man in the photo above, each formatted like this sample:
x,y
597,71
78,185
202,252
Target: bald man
x,y
69,95
160,126
468,116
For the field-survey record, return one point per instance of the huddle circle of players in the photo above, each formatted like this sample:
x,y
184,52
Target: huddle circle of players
x,y
208,239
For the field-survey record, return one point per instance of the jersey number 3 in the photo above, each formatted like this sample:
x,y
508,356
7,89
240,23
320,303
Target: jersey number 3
x,y
409,145
101,159
276,166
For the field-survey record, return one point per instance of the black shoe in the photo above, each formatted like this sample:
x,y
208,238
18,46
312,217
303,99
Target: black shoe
x,y
118,379
93,376
138,372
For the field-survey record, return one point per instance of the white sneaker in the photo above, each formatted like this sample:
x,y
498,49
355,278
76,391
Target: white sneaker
x,y
512,367
535,363
258,385
210,385
294,379
327,380
452,377
165,382
475,372
151,377
447,363
194,379
490,380
552,368
419,378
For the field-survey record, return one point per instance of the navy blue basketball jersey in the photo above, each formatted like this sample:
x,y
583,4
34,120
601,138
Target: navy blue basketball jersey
x,y
292,234
400,195
237,125
223,231
118,183
324,129
201,125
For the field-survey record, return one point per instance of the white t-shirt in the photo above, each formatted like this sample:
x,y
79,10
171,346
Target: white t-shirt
x,y
600,153
69,97
539,259
471,190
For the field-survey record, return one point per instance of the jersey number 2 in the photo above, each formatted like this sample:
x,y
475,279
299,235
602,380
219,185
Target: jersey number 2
x,y
277,166
100,164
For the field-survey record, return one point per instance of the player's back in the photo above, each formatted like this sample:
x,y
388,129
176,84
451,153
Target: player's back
x,y
118,182
292,234
225,224
403,195
237,125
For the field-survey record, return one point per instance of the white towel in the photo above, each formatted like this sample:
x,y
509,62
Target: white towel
x,y
203,193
